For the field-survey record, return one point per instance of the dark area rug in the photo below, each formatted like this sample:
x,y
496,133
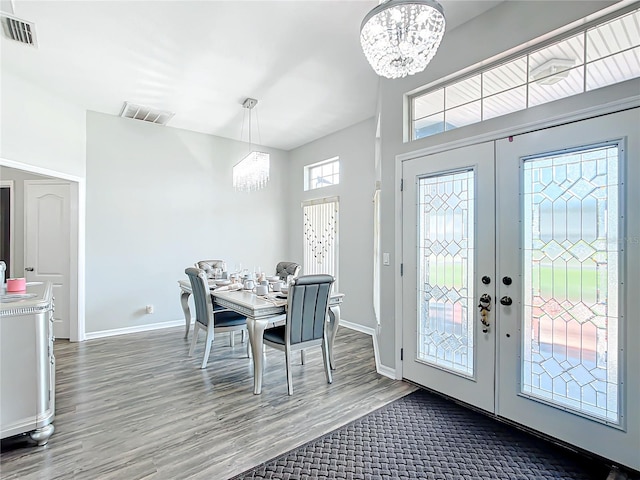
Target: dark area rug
x,y
425,436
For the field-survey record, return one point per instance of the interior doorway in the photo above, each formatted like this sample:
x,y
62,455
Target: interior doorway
x,y
6,225
73,292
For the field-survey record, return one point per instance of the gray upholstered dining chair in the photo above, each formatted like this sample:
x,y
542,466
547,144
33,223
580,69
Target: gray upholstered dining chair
x,y
284,269
207,318
307,306
209,265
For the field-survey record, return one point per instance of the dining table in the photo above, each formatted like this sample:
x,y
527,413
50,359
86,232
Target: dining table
x,y
261,311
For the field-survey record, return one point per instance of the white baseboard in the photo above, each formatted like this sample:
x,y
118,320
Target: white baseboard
x,y
357,327
381,369
136,329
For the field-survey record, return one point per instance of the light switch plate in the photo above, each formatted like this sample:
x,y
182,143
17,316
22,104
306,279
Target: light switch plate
x,y
385,259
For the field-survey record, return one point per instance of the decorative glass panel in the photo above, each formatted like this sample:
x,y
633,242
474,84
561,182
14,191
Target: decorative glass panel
x,y
321,237
570,273
445,277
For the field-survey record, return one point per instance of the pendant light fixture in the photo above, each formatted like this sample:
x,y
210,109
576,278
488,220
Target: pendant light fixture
x,y
400,37
252,172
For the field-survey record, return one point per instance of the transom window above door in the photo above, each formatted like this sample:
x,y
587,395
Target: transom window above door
x,y
602,54
322,174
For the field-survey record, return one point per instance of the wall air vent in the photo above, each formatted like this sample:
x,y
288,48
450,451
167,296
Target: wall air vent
x,y
146,114
19,30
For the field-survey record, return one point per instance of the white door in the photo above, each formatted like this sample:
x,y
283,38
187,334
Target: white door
x,y
448,250
47,243
569,238
564,324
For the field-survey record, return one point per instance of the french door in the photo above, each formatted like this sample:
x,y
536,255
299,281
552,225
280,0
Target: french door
x,y
546,226
448,248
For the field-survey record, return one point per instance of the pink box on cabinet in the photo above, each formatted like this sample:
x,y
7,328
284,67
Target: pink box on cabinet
x,y
16,284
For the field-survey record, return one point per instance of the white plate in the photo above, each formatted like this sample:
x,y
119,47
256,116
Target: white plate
x,y
223,282
273,279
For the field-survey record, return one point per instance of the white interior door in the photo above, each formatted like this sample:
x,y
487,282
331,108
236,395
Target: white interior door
x,y
448,250
569,238
47,243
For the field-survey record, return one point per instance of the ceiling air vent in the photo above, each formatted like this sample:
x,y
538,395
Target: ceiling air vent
x,y
18,30
146,114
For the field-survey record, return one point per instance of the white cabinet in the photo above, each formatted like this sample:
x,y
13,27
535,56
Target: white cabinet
x,y
27,364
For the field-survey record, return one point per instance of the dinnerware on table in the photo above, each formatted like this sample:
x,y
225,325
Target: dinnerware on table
x,y
276,286
249,284
261,289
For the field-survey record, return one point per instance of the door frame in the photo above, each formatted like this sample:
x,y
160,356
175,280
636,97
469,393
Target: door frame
x,y
517,129
12,214
77,243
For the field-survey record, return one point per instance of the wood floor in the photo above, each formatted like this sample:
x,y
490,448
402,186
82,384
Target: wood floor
x,y
135,406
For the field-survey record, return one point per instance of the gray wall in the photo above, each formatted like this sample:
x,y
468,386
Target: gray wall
x,y
18,177
158,200
355,147
40,128
506,26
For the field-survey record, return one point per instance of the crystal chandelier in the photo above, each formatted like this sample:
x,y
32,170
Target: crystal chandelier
x,y
400,37
252,172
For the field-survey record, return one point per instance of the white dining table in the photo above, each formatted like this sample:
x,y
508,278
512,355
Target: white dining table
x,y
261,312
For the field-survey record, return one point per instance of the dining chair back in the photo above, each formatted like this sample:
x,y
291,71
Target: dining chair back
x,y
208,318
210,265
307,307
284,269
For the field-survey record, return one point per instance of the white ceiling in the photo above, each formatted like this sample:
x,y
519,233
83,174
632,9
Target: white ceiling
x,y
200,59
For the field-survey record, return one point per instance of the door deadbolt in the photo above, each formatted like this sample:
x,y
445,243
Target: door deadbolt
x,y
506,300
507,280
486,280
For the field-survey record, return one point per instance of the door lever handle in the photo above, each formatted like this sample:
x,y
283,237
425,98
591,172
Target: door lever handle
x,y
29,269
506,300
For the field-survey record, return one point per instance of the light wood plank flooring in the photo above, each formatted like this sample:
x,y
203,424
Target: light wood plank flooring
x,y
135,406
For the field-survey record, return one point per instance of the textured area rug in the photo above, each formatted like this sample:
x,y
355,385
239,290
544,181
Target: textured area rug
x,y
424,436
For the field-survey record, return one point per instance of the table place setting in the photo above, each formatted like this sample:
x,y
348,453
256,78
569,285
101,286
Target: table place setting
x,y
263,300
228,287
276,299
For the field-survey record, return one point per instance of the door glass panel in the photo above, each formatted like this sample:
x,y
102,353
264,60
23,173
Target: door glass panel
x,y
446,266
570,274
